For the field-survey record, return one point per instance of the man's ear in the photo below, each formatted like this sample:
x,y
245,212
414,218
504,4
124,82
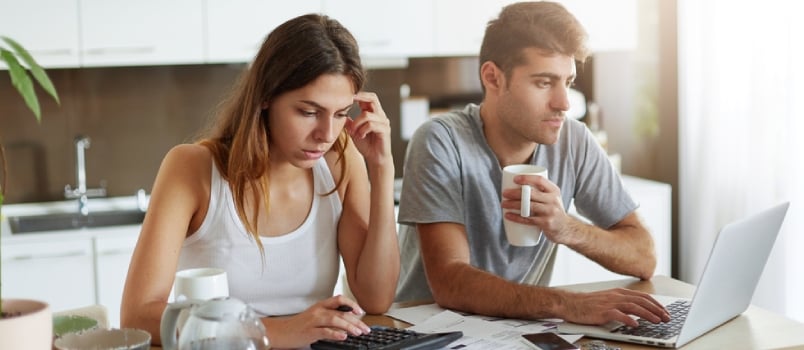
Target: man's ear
x,y
491,76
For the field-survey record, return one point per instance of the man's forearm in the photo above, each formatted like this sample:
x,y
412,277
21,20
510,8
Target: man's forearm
x,y
625,248
466,288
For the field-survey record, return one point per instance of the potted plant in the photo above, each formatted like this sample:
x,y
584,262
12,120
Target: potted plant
x,y
24,324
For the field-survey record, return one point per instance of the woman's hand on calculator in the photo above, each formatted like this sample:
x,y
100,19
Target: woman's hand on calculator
x,y
333,318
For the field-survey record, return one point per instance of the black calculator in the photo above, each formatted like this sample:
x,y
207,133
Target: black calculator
x,y
388,338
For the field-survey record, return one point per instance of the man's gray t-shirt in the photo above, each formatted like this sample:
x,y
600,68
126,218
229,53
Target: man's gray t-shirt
x,y
452,175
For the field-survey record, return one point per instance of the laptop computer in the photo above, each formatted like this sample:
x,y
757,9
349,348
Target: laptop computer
x,y
724,291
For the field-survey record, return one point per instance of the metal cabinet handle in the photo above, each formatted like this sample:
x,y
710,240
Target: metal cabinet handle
x,y
52,52
115,252
50,256
142,50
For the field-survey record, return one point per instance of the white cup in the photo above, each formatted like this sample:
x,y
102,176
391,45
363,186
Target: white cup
x,y
521,234
199,284
203,283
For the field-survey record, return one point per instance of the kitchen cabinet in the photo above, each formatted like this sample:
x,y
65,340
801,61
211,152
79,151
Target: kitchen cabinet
x,y
611,24
113,256
387,29
58,270
74,33
235,29
147,32
461,24
655,210
48,29
70,269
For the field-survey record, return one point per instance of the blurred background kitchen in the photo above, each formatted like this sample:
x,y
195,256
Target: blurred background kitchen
x,y
701,95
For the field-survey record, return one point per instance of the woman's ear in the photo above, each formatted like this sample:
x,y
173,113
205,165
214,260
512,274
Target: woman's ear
x,y
264,105
491,76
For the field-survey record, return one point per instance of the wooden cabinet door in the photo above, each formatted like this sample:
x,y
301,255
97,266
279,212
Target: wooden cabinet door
x,y
146,32
461,24
59,272
235,29
386,28
48,29
113,254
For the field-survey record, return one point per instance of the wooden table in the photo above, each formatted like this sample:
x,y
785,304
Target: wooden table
x,y
756,328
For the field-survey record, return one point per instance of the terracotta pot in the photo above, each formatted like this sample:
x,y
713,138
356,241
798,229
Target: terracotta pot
x,y
32,329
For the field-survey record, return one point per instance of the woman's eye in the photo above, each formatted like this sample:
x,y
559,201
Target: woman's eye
x,y
309,113
342,115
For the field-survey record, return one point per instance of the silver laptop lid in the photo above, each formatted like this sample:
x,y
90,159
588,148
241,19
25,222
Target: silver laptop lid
x,y
732,272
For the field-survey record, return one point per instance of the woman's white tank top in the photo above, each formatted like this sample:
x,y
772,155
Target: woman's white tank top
x,y
300,268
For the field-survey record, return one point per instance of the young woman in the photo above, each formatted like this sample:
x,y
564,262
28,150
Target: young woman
x,y
277,192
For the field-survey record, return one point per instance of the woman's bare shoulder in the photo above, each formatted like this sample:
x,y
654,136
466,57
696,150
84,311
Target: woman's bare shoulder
x,y
191,156
185,173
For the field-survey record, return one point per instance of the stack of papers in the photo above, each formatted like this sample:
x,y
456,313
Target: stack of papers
x,y
479,332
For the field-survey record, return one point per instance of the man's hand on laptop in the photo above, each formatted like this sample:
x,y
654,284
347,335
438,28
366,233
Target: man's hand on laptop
x,y
619,304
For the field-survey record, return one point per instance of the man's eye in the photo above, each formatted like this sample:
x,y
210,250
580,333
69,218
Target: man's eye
x,y
543,84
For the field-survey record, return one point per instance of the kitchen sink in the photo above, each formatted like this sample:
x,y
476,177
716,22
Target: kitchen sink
x,y
71,221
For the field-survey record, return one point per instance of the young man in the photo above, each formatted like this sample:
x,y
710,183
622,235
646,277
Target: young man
x,y
454,248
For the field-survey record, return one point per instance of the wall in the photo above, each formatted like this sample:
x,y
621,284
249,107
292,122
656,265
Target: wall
x,y
133,116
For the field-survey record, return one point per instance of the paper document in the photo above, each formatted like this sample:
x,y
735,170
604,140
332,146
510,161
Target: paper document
x,y
415,314
480,332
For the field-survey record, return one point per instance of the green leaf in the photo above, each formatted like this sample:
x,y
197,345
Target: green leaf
x,y
36,70
22,82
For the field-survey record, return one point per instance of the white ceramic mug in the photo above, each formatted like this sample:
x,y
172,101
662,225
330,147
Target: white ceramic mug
x,y
202,283
516,233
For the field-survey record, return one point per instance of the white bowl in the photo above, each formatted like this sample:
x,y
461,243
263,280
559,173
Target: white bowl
x,y
105,339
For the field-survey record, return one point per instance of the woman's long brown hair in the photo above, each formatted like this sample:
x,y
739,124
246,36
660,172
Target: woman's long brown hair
x,y
293,55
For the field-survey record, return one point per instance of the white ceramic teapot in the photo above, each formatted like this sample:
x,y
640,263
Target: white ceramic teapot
x,y
224,323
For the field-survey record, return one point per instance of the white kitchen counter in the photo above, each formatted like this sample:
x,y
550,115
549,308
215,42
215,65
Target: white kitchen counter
x,y
70,268
65,207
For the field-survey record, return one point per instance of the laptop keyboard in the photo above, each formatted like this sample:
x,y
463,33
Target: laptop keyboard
x,y
386,338
678,313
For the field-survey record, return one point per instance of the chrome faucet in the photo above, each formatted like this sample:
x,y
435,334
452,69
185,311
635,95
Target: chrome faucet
x,y
81,191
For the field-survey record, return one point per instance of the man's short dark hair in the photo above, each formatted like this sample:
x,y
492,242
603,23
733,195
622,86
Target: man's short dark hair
x,y
543,25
